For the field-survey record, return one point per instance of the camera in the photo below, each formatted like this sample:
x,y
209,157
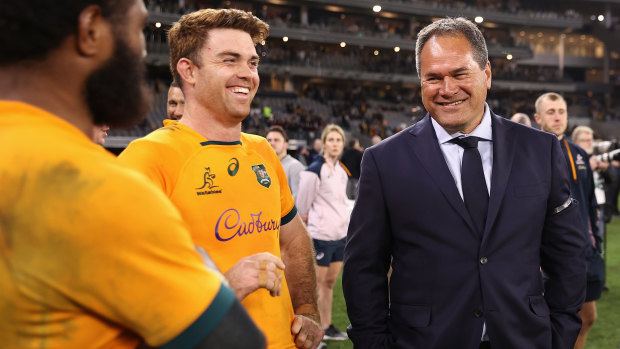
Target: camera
x,y
607,151
607,157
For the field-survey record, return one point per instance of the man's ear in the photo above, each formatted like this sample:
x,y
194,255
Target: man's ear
x,y
93,30
187,70
487,72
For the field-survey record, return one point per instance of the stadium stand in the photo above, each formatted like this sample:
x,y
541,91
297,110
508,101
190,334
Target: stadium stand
x,y
350,65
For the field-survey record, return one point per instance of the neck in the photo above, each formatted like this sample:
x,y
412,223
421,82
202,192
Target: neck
x,y
561,136
282,155
211,127
331,159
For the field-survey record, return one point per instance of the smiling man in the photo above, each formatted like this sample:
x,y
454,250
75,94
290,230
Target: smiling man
x,y
443,203
230,186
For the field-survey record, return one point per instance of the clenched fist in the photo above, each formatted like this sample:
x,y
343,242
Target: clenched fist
x,y
261,270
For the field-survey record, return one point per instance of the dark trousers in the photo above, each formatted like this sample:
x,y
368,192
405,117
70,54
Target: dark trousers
x,y
485,345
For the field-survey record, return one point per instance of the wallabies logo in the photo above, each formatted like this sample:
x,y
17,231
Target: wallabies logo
x,y
208,179
261,175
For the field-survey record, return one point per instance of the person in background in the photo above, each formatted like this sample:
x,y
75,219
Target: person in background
x,y
316,150
100,132
303,155
583,136
229,185
522,119
176,102
92,254
552,116
322,205
352,159
278,139
375,139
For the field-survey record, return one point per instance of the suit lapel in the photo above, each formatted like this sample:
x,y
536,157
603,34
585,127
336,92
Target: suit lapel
x,y
426,147
503,154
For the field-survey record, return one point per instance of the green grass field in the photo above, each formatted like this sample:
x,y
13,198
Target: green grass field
x,y
606,331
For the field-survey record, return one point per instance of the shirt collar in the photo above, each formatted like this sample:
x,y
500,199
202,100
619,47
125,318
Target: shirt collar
x,y
483,130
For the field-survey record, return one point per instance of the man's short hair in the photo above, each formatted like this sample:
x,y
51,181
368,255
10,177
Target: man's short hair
x,y
31,29
352,142
579,130
187,36
452,27
280,130
552,96
174,84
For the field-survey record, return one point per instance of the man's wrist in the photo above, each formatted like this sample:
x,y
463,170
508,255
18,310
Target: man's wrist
x,y
310,311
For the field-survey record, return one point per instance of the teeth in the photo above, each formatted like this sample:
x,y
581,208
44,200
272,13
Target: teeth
x,y
454,103
241,90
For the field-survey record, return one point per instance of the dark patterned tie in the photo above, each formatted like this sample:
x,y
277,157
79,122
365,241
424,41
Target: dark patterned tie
x,y
475,193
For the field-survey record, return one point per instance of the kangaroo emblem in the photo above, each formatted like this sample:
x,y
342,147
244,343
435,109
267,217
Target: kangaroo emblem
x,y
208,179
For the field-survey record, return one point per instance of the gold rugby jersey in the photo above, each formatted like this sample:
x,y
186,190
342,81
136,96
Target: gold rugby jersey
x,y
234,196
91,254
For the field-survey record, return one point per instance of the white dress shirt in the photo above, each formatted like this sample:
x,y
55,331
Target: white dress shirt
x,y
453,153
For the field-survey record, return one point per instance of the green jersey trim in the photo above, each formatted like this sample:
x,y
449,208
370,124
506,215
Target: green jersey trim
x,y
206,323
220,143
289,216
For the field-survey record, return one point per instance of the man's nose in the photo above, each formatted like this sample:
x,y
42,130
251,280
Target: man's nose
x,y
178,111
448,86
244,71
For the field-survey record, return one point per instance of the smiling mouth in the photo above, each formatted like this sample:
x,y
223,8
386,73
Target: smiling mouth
x,y
451,104
243,90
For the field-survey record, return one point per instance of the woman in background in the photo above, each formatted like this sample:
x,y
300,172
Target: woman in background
x,y
322,204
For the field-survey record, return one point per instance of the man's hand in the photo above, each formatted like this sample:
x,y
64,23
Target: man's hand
x,y
308,332
261,270
296,247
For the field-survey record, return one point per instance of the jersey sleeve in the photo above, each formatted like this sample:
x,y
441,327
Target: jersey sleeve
x,y
287,203
286,197
131,260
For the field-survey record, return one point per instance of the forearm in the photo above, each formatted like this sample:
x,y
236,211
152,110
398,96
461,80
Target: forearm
x,y
298,257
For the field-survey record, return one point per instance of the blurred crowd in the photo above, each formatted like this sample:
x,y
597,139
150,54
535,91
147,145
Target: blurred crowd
x,y
528,7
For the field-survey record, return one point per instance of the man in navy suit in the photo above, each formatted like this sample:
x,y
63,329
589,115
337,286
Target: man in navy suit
x,y
461,280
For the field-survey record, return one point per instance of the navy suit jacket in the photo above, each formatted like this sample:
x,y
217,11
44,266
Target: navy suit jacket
x,y
446,279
